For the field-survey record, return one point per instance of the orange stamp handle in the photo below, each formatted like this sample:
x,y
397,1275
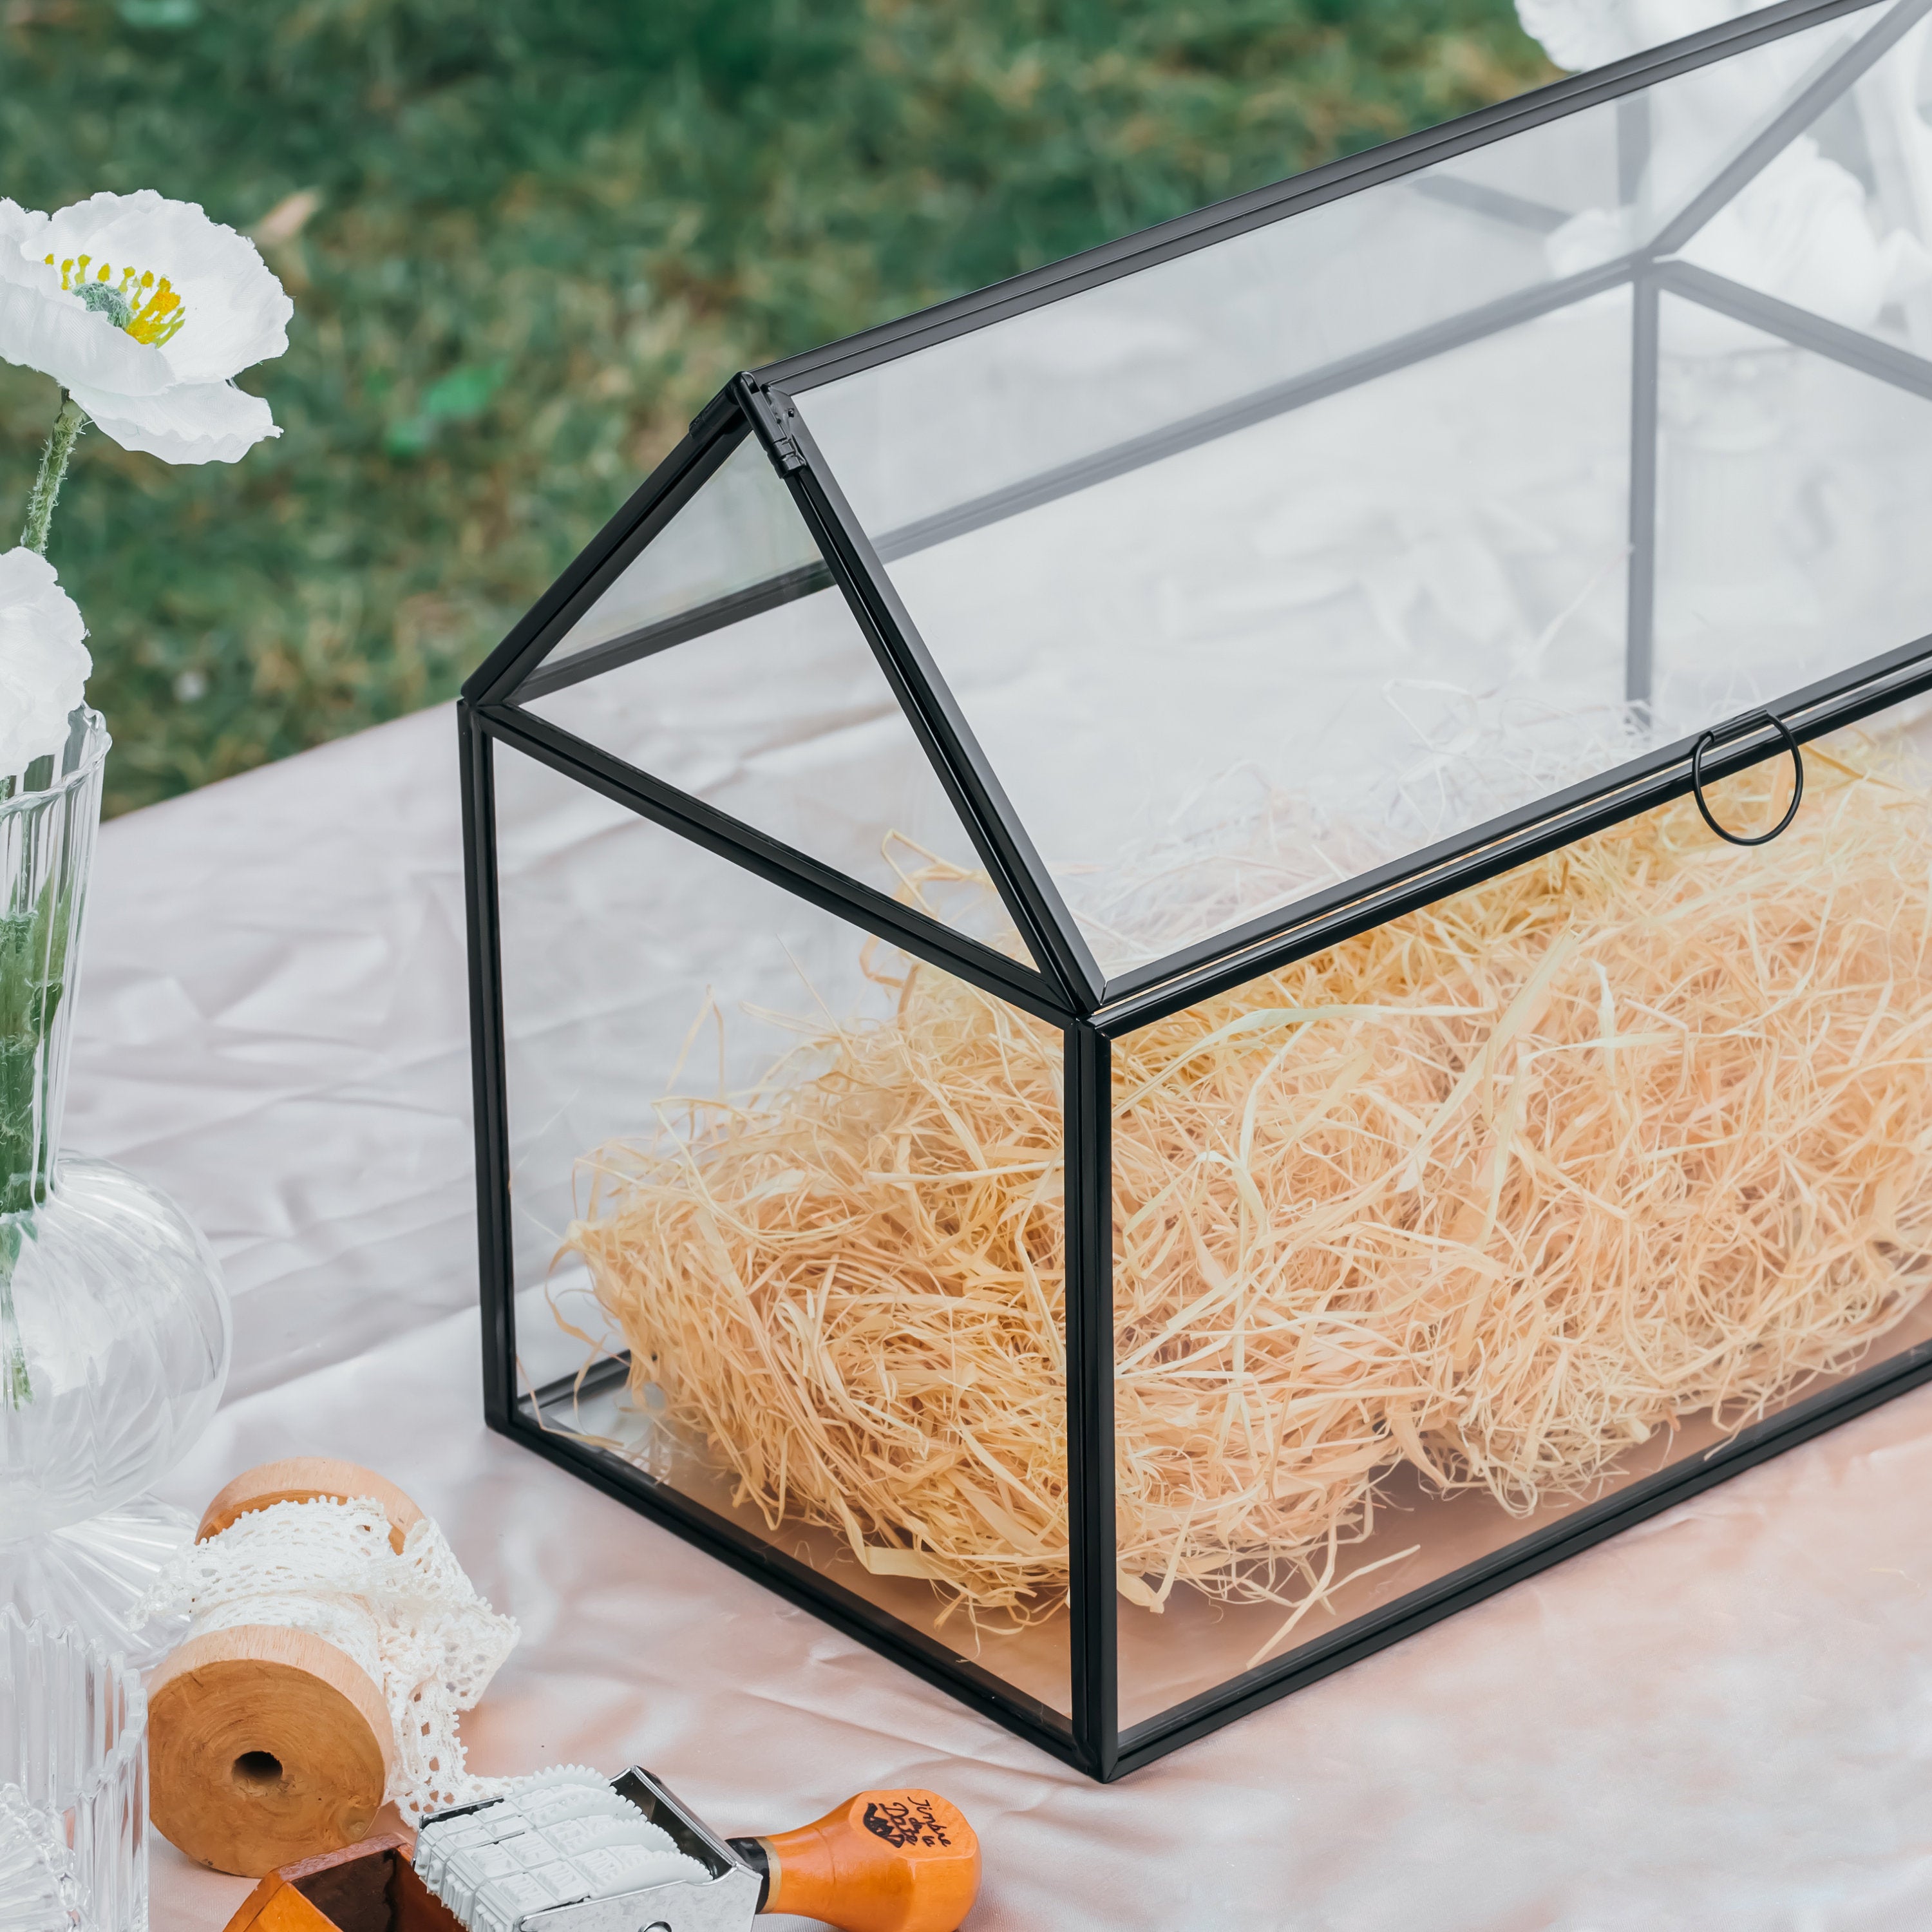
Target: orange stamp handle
x,y
882,1862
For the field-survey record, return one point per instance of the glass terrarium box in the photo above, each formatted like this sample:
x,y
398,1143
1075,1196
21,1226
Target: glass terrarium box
x,y
1183,963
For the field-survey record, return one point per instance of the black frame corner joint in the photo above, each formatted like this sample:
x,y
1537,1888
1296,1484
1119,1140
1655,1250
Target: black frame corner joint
x,y
774,417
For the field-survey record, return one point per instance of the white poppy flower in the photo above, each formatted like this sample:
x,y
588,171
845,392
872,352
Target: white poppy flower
x,y
143,310
44,664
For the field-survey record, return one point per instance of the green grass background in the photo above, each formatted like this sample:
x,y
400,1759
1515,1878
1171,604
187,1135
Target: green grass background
x,y
545,230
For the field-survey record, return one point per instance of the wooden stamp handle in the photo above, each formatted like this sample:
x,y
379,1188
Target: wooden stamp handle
x,y
882,1862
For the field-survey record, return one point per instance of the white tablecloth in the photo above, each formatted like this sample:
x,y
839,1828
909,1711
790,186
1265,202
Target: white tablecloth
x,y
1722,1719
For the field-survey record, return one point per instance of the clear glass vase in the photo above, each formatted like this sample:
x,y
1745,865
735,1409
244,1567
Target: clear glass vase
x,y
73,1774
114,1326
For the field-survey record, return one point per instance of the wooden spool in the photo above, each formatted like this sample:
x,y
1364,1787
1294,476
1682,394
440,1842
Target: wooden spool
x,y
301,1479
267,1745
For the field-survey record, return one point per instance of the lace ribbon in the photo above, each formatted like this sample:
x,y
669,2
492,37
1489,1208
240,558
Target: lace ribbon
x,y
410,1618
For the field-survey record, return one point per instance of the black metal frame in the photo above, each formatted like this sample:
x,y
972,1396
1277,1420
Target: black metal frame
x,y
1065,985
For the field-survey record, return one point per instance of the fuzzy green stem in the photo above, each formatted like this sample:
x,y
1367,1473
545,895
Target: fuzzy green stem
x,y
17,1385
46,492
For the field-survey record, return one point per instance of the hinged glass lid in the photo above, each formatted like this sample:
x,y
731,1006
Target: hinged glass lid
x,y
1272,559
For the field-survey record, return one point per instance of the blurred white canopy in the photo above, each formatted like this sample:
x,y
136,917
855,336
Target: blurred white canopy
x,y
1579,34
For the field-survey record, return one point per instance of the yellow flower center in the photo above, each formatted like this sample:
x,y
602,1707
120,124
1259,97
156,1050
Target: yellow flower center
x,y
148,309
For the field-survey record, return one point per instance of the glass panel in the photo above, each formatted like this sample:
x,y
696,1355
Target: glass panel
x,y
1427,1242
1216,682
1792,498
738,532
1017,401
1006,405
1841,221
779,715
787,1224
1229,629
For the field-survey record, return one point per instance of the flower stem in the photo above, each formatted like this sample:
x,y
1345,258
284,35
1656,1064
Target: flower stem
x,y
46,492
16,1381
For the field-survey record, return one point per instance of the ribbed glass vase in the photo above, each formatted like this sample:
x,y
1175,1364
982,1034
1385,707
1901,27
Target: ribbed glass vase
x,y
73,1775
114,1327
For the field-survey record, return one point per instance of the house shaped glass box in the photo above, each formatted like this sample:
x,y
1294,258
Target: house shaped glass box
x,y
1125,1036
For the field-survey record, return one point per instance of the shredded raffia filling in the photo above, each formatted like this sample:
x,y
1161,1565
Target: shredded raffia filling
x,y
1639,1131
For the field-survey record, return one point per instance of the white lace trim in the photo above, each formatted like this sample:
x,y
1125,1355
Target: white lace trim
x,y
412,1620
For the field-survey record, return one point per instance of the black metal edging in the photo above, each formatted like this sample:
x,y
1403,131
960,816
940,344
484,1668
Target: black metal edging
x,y
864,1622
1260,206
1070,983
528,643
735,607
1067,978
690,465
796,872
1784,126
1050,932
1294,392
489,1095
1092,1488
1869,355
1640,595
1516,1562
1343,912
721,416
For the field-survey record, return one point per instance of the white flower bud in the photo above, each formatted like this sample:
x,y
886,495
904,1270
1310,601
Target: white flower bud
x,y
44,664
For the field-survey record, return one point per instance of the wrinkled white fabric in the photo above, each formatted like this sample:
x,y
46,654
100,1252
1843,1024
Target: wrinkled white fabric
x,y
410,1619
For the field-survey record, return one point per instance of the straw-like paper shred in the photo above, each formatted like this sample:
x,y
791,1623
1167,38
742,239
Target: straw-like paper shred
x,y
1639,1130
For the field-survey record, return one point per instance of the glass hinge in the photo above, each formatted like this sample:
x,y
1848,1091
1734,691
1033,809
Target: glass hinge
x,y
776,416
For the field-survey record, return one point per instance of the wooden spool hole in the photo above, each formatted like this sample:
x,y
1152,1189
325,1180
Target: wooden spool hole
x,y
267,1744
256,1772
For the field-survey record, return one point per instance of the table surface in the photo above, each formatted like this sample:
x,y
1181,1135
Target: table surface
x,y
1720,1719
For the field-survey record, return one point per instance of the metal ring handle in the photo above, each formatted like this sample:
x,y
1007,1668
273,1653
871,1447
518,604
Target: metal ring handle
x,y
1709,739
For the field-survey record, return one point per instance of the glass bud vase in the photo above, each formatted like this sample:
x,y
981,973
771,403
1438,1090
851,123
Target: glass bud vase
x,y
114,1326
74,1780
